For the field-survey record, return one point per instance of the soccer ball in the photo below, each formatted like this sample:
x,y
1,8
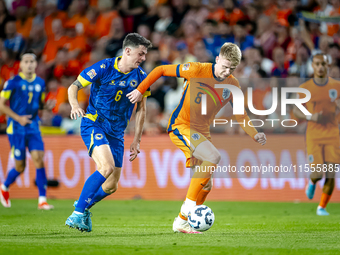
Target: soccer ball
x,y
201,218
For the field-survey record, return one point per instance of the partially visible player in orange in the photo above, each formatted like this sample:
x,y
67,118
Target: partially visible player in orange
x,y
322,135
189,130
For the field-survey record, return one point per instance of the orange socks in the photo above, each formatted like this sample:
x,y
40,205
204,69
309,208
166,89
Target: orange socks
x,y
202,196
324,200
199,180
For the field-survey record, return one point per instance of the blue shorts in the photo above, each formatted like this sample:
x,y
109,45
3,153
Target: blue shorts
x,y
93,135
19,142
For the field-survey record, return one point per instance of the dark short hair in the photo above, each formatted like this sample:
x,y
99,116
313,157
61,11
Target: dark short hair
x,y
135,40
30,51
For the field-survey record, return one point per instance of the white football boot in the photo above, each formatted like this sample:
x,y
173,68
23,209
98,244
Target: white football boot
x,y
182,226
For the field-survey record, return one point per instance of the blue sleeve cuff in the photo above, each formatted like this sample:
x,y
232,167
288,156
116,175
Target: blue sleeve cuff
x,y
177,71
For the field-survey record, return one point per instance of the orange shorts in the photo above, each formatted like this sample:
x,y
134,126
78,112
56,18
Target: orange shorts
x,y
187,139
319,153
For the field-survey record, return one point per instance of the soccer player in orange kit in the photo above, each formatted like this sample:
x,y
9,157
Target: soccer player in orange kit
x,y
189,130
322,135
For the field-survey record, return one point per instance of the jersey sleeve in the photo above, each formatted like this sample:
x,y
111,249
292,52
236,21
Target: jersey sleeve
x,y
188,70
147,93
92,73
7,90
165,70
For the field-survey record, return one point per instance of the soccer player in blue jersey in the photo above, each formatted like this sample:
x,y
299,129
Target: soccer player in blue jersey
x,y
25,93
107,116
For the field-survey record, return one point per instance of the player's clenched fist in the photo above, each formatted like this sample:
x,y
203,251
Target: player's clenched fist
x,y
260,138
77,111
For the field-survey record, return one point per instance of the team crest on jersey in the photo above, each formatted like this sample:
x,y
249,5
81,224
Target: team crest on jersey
x,y
195,136
30,87
133,83
98,136
333,94
37,88
185,67
92,73
112,82
23,87
122,83
102,66
310,158
226,94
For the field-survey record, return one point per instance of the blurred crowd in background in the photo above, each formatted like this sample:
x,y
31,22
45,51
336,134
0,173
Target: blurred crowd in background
x,y
69,36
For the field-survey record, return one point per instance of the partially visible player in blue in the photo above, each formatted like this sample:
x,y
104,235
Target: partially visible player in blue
x,y
107,116
26,94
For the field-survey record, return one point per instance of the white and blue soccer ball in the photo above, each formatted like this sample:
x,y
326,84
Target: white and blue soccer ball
x,y
201,218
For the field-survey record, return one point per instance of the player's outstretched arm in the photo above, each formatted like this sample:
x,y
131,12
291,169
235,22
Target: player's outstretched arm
x,y
22,119
140,118
165,70
73,100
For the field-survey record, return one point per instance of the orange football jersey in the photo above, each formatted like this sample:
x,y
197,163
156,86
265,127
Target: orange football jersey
x,y
189,109
323,98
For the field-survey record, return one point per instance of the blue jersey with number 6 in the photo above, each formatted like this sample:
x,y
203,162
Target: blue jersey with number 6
x,y
108,100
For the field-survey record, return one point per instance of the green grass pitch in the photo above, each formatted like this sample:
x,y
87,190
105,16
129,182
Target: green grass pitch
x,y
145,227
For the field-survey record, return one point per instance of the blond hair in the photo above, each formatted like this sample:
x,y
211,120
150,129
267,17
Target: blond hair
x,y
231,52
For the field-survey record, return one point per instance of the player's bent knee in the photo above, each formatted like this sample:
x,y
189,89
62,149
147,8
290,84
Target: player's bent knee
x,y
39,163
20,166
20,169
106,170
207,153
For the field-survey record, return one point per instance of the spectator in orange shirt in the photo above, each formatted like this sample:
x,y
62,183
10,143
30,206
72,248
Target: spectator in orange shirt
x,y
58,40
11,66
107,14
232,14
65,66
92,16
53,14
24,22
76,44
77,17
